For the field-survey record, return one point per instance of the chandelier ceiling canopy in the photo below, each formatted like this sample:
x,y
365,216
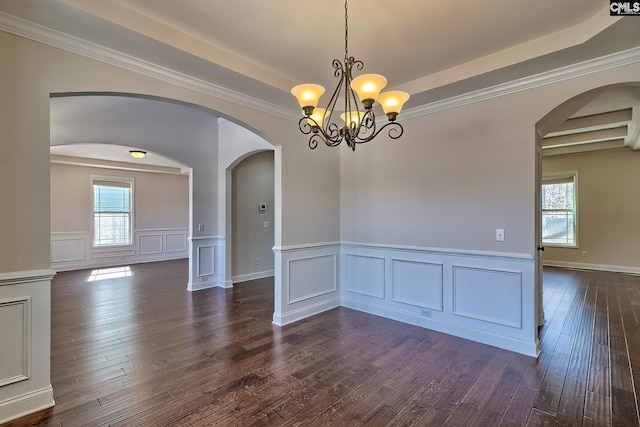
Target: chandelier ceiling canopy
x,y
358,120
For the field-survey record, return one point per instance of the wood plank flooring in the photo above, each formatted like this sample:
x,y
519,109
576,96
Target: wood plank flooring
x,y
142,351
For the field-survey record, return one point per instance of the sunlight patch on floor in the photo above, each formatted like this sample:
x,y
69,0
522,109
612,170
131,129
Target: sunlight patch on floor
x,y
109,273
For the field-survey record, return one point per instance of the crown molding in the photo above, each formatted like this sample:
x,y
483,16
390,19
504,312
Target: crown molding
x,y
48,36
39,33
603,63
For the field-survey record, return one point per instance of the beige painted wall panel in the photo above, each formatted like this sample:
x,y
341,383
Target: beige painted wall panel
x,y
24,159
161,200
453,178
252,183
608,207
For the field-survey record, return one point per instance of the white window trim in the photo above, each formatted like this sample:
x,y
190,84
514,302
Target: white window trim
x,y
560,175
127,180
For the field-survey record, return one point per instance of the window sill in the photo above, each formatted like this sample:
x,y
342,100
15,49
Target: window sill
x,y
112,247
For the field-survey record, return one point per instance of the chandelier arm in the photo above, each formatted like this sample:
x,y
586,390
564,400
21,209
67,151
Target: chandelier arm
x,y
304,125
313,141
338,69
366,126
395,132
329,128
356,63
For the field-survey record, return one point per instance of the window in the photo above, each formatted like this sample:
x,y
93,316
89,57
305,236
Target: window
x,y
112,211
559,216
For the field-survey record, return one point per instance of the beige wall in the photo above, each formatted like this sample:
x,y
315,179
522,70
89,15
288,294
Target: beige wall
x,y
160,200
252,183
608,208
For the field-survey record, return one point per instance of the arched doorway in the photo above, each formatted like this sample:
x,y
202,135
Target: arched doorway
x,y
590,141
188,133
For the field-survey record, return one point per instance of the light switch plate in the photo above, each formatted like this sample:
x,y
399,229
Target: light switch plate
x,y
499,234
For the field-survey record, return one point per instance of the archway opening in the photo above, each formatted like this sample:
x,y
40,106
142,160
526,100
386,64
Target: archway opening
x,y
589,147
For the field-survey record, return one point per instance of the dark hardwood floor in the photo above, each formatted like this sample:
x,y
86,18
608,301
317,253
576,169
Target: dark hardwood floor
x,y
142,351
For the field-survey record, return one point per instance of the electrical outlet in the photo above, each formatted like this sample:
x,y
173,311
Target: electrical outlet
x,y
584,253
200,227
256,261
425,313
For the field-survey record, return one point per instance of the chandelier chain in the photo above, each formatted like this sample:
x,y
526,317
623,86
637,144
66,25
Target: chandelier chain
x,y
346,31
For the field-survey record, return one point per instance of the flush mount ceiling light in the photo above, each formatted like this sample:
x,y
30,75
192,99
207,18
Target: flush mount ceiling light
x,y
137,154
358,126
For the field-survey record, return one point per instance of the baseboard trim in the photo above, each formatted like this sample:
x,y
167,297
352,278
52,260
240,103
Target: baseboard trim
x,y
193,287
26,404
304,312
252,276
596,267
518,346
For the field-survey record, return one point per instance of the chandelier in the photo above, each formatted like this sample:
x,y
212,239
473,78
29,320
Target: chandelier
x,y
357,126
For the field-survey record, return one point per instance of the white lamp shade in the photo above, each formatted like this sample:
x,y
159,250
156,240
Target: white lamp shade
x,y
307,94
368,86
393,101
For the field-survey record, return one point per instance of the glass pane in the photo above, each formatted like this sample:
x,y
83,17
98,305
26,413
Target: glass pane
x,y
558,227
111,199
111,205
111,229
558,196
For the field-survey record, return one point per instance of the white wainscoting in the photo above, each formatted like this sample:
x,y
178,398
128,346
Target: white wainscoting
x,y
483,296
309,278
73,251
25,336
207,263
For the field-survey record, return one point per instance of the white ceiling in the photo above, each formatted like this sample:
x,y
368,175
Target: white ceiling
x,y
433,50
107,127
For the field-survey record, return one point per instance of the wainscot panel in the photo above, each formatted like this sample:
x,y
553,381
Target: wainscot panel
x,y
417,283
15,330
364,275
150,244
483,296
206,260
25,332
69,247
206,266
309,274
73,250
489,295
